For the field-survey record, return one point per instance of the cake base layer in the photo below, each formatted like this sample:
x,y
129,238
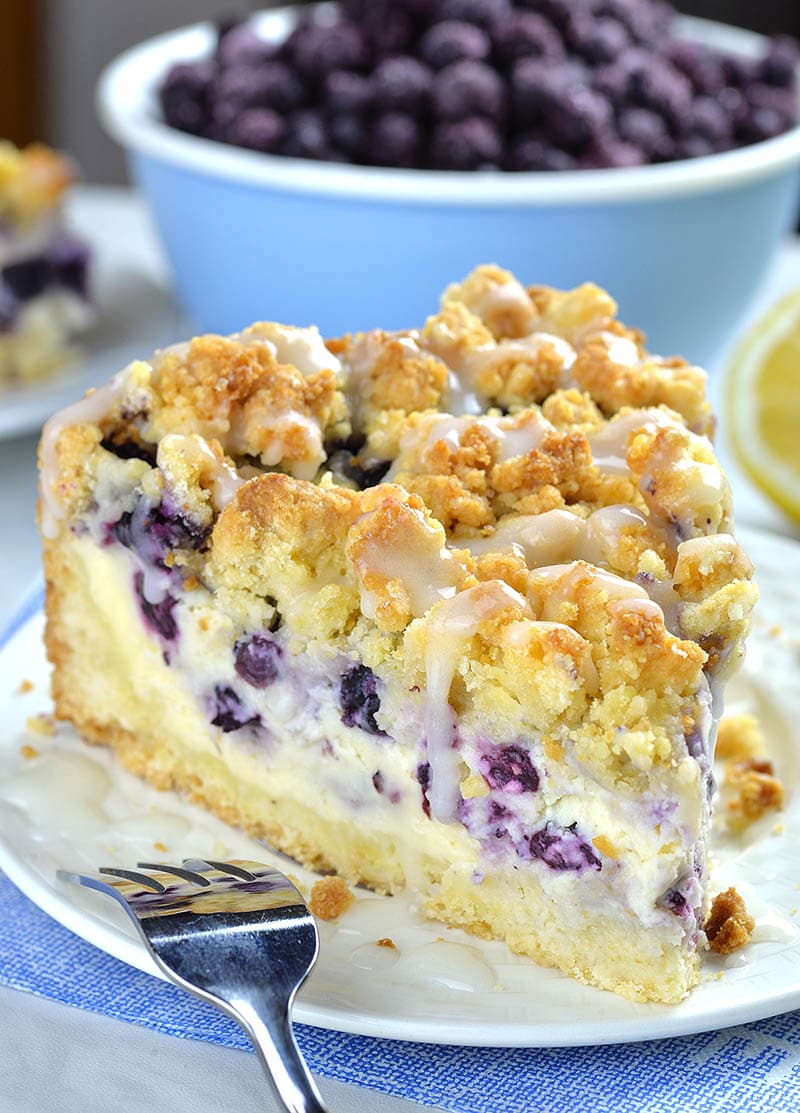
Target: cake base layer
x,y
112,682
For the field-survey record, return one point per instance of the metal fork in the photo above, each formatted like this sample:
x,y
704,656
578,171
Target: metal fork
x,y
237,934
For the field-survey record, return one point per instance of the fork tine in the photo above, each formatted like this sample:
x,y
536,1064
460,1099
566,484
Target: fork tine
x,y
222,867
142,879
178,871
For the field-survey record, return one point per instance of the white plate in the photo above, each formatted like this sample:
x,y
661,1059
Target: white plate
x,y
438,985
135,310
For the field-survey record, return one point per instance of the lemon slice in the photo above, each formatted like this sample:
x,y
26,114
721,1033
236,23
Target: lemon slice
x,y
762,402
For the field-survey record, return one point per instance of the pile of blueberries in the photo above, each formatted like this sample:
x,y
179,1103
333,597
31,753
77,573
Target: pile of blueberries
x,y
483,85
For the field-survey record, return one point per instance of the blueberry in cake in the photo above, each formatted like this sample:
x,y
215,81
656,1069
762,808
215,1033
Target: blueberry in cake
x,y
44,299
448,608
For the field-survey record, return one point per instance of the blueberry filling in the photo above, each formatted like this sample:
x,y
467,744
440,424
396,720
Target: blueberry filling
x,y
424,778
257,660
130,450
676,902
229,711
561,848
64,266
509,769
359,699
152,531
346,460
377,781
158,617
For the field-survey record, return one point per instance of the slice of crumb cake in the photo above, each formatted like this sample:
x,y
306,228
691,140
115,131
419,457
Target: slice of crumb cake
x,y
448,608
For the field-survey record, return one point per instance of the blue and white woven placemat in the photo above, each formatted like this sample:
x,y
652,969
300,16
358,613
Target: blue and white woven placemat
x,y
754,1068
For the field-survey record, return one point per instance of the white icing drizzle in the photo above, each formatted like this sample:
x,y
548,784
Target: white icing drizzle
x,y
559,536
450,625
609,444
525,350
92,409
303,348
621,349
501,298
514,436
225,481
429,572
562,579
458,399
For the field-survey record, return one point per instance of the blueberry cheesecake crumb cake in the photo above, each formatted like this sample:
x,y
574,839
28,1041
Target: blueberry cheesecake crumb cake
x,y
44,301
448,608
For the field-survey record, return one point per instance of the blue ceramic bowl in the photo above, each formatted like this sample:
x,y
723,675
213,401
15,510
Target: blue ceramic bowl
x,y
682,246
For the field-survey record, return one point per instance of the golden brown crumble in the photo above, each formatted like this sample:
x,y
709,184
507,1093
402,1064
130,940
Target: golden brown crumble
x,y
740,737
330,897
24,687
756,790
729,925
387,942
28,752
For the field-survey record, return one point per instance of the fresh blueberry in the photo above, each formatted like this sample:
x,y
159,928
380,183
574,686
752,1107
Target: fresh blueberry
x,y
229,713
607,152
526,34
347,92
780,63
509,769
484,13
580,117
359,699
599,41
536,154
306,136
451,41
471,144
467,89
394,140
259,129
239,47
536,87
158,617
402,84
184,95
561,848
317,48
702,65
646,130
349,132
709,120
257,660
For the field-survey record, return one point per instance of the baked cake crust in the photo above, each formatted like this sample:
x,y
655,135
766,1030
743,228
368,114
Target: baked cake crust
x,y
448,608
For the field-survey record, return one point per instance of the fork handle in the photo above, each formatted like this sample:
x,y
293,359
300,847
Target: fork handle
x,y
270,1029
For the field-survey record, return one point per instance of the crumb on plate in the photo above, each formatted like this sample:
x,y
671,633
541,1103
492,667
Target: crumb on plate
x,y
729,925
330,897
24,686
387,942
756,790
740,737
40,724
28,752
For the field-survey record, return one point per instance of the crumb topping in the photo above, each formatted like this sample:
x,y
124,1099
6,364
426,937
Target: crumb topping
x,y
330,897
522,447
729,925
32,182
